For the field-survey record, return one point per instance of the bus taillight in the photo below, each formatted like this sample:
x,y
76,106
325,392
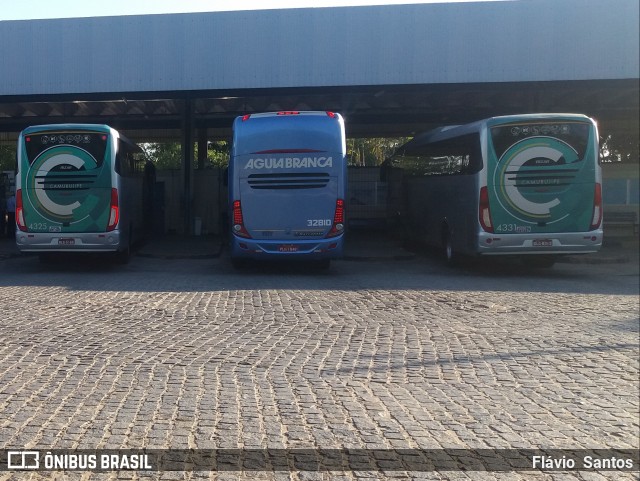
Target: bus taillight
x,y
484,212
238,221
20,212
114,211
338,220
596,218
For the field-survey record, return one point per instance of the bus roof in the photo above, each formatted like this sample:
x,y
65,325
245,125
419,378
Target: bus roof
x,y
45,127
288,131
450,131
34,129
289,113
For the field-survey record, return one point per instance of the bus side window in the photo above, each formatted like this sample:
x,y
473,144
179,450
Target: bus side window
x,y
129,162
448,157
118,166
456,156
138,162
122,167
474,158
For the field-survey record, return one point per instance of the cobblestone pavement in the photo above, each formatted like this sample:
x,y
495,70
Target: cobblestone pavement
x,y
404,354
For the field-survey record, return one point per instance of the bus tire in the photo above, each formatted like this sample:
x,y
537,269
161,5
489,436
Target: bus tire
x,y
447,248
124,256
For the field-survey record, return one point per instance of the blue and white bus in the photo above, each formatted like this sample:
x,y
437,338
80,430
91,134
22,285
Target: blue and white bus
x,y
520,185
79,188
287,181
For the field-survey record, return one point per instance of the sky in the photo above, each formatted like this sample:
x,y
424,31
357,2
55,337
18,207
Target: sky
x,y
34,9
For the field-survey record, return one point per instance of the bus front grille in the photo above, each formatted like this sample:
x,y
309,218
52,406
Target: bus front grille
x,y
288,181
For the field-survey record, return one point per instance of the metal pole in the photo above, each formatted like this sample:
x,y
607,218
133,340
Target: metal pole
x,y
187,165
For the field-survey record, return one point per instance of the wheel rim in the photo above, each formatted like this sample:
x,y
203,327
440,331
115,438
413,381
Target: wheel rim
x,y
448,248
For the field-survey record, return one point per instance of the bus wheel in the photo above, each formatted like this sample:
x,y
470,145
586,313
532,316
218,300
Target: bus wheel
x,y
124,256
447,248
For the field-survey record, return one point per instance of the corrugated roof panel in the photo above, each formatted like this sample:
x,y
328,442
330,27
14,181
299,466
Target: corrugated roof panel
x,y
505,41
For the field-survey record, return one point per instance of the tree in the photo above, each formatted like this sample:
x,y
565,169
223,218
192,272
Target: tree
x,y
218,153
619,148
372,151
7,157
168,155
165,156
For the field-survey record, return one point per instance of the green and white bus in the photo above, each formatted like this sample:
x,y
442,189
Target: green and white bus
x,y
79,188
527,185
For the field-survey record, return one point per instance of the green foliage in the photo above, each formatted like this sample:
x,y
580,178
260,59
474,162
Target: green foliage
x,y
218,153
361,152
372,151
168,155
7,157
620,148
165,156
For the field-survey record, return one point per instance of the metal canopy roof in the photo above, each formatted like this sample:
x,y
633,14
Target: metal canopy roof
x,y
390,70
380,111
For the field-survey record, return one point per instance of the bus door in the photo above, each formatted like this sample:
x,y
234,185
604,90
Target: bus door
x,y
541,176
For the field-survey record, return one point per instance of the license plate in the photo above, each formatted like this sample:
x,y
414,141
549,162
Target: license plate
x,y
288,248
542,243
66,242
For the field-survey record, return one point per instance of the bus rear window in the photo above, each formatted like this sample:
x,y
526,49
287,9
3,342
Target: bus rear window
x,y
575,134
94,143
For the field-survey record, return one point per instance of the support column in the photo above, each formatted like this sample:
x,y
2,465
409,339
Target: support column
x,y
187,165
202,147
